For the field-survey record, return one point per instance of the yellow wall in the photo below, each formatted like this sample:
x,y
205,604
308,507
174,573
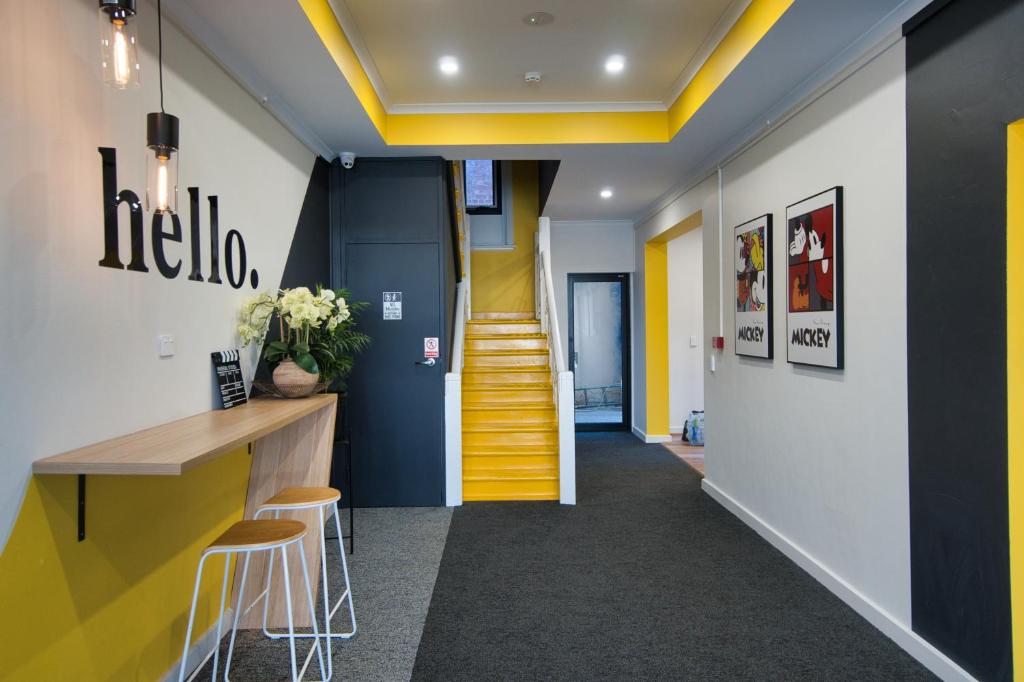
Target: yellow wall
x,y
502,281
113,607
1015,380
656,323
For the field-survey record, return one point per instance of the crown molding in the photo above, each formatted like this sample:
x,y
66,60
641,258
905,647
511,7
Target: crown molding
x,y
351,30
527,108
239,70
348,25
883,35
718,32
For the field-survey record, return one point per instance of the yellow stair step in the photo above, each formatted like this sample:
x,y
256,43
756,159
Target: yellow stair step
x,y
481,491
504,316
536,360
503,327
516,438
512,462
508,394
498,343
510,450
487,415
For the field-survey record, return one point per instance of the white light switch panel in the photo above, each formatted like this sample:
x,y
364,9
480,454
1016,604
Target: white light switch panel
x,y
166,342
693,341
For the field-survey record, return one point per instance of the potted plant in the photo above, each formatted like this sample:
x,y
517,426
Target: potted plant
x,y
318,340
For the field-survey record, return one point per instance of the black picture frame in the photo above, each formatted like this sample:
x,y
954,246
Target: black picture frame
x,y
814,331
754,321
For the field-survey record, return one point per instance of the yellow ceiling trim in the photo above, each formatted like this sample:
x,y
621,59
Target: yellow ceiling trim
x,y
542,128
650,127
321,16
749,29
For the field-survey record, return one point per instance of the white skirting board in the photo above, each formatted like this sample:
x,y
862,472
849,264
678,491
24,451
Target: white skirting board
x,y
901,634
650,439
201,648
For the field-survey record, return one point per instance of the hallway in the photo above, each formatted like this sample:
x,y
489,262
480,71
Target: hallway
x,y
646,578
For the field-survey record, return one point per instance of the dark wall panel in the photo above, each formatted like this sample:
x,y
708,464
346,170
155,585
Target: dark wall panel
x,y
965,83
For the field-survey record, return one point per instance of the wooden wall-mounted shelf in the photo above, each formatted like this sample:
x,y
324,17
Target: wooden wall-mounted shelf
x,y
174,448
292,443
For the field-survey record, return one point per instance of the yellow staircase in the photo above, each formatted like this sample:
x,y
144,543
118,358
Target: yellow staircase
x,y
509,426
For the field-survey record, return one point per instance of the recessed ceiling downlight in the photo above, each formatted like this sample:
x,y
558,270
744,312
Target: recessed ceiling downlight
x,y
615,64
449,65
607,193
538,19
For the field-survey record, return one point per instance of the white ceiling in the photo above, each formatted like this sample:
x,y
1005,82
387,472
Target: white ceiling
x,y
271,48
406,38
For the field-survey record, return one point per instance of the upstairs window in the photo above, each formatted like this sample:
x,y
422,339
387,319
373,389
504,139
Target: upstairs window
x,y
483,186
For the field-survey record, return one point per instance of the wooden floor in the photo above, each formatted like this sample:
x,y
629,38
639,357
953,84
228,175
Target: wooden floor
x,y
691,454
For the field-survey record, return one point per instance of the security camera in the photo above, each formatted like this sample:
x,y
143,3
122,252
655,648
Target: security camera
x,y
348,159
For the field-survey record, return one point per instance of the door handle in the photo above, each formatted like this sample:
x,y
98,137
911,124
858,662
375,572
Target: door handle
x,y
429,362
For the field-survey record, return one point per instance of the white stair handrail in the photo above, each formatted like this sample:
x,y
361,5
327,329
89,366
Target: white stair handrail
x,y
453,379
562,379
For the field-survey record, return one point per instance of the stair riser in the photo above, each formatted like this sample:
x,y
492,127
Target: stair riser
x,y
506,397
509,490
536,360
480,463
503,316
507,439
471,378
511,343
511,417
504,328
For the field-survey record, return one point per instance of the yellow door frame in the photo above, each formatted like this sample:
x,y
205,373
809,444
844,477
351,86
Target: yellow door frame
x,y
656,324
1015,381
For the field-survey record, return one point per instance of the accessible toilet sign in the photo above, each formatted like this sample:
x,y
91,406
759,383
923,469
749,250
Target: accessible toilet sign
x,y
392,305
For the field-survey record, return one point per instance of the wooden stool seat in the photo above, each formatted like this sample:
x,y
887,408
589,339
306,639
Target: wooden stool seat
x,y
258,534
302,497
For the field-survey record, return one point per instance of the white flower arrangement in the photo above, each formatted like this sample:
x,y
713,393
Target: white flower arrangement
x,y
316,330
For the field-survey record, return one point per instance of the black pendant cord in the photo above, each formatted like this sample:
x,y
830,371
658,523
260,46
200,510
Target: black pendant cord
x,y
160,50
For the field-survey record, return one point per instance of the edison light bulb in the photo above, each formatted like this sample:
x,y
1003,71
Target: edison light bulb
x,y
119,45
162,163
162,185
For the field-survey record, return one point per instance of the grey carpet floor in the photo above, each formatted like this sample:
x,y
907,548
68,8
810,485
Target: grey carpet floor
x,y
397,554
646,578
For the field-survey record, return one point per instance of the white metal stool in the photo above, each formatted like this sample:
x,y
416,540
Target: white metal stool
x,y
247,537
324,500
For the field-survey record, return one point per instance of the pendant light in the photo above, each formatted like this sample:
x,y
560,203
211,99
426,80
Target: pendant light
x,y
162,143
119,44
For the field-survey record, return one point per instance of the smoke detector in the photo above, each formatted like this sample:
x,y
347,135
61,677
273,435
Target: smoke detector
x,y
533,76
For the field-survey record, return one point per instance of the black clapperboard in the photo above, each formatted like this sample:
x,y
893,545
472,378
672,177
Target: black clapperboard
x,y
228,368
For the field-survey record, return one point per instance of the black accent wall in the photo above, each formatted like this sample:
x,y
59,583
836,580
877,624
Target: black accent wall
x,y
965,84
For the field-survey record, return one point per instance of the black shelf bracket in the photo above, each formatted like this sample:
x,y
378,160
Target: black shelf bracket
x,y
81,507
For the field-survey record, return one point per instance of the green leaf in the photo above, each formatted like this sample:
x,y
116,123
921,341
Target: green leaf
x,y
301,348
278,346
307,362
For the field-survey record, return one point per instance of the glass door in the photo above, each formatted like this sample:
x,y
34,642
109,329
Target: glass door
x,y
599,350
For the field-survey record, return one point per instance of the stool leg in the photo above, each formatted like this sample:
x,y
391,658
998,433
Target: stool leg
x,y
327,601
348,585
288,605
238,614
220,614
266,591
191,620
312,618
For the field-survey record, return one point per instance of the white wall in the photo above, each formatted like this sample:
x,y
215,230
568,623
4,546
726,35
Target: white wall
x,y
817,459
586,247
80,341
703,198
685,320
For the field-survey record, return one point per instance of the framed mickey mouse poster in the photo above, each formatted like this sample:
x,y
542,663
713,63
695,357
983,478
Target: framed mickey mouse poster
x,y
753,245
814,282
